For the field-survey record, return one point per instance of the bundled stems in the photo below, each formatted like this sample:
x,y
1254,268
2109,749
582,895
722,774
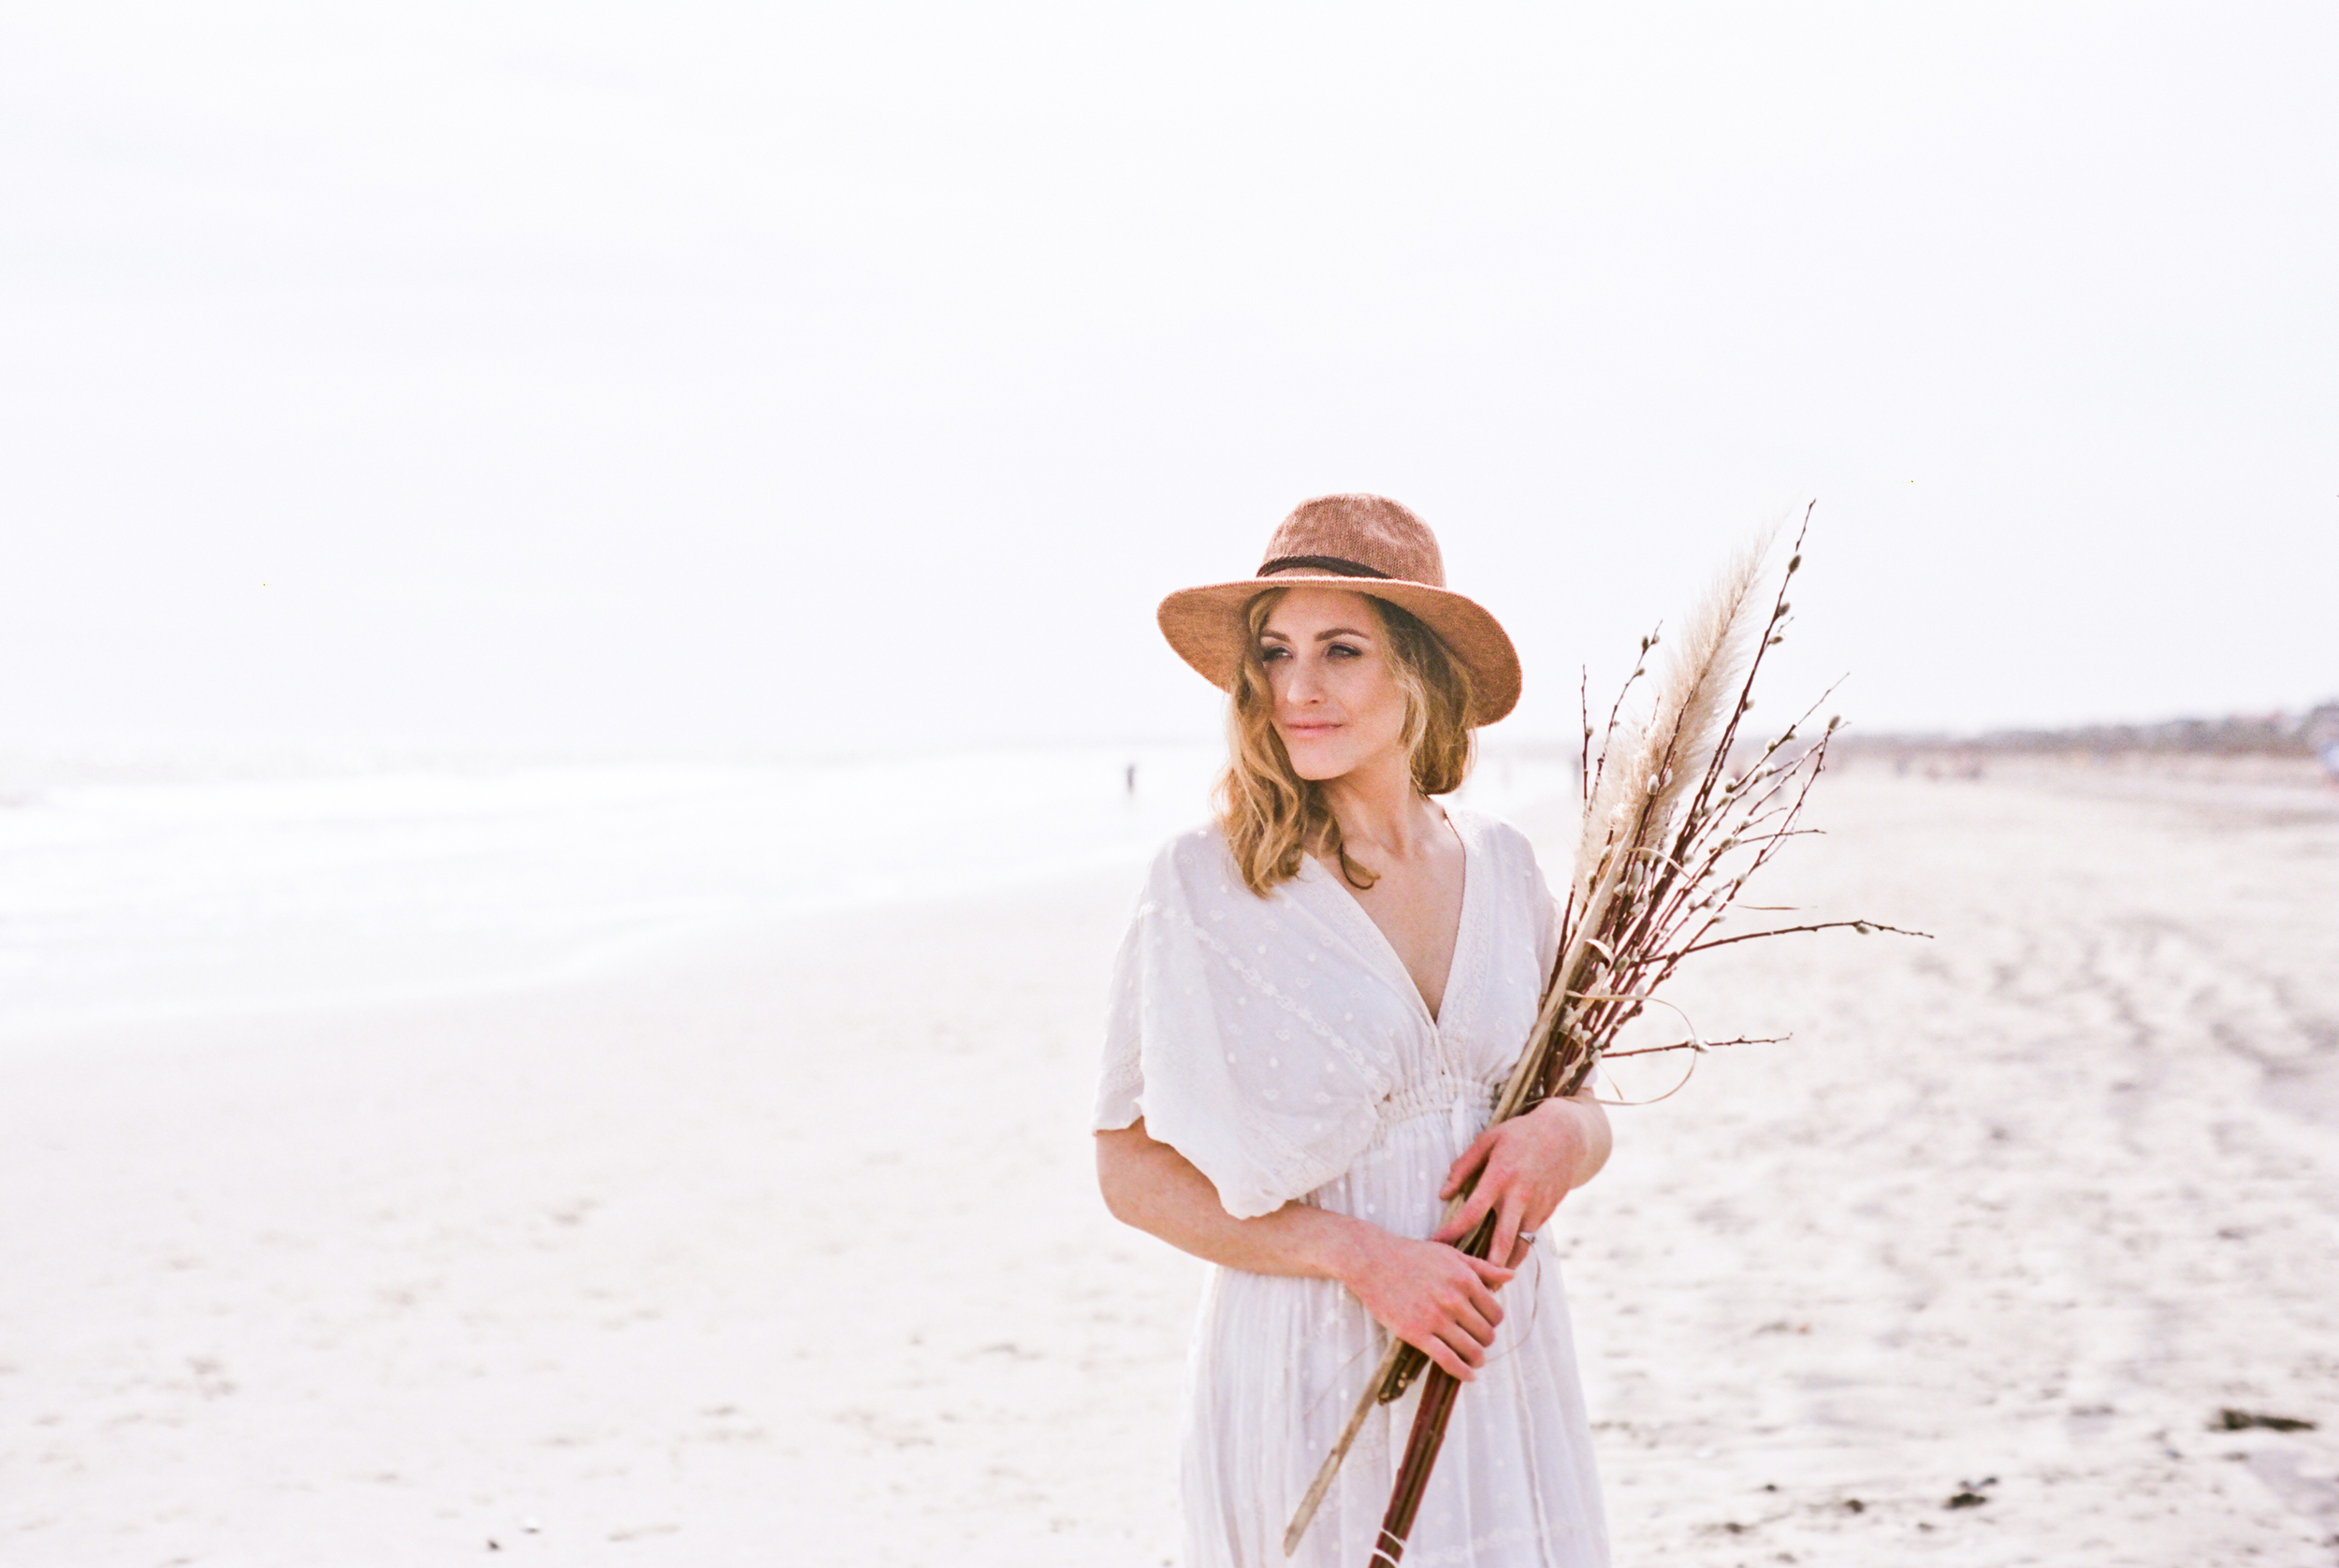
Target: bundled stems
x,y
1673,829
1413,1479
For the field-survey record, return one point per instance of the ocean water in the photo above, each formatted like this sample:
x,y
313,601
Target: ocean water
x,y
186,894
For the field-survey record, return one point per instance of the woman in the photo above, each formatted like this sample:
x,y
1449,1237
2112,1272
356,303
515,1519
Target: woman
x,y
1315,1006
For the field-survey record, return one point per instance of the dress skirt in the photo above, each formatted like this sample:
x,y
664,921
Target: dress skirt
x,y
1278,1364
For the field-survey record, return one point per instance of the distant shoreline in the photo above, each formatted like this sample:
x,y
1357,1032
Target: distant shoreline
x,y
2219,772
2274,734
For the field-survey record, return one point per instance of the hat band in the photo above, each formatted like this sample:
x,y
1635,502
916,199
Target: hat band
x,y
1322,563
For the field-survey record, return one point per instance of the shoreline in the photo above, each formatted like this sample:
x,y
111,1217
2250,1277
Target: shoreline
x,y
124,902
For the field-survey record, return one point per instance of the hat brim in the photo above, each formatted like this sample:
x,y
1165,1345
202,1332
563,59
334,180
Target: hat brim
x,y
1206,626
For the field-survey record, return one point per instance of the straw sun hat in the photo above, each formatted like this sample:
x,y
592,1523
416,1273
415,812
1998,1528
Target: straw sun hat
x,y
1362,545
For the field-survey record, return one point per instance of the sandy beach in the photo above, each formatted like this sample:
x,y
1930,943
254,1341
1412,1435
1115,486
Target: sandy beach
x,y
785,1249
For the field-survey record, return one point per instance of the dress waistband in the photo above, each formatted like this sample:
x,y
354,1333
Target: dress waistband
x,y
1436,1096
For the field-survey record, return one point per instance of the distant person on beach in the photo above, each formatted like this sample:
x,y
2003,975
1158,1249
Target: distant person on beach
x,y
1318,1000
2330,755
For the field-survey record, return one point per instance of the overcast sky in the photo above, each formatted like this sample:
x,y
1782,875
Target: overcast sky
x,y
717,377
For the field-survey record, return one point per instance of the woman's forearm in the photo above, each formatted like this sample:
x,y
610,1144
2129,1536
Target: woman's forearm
x,y
1148,1184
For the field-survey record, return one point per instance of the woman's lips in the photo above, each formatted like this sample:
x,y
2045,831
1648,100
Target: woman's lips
x,y
1308,731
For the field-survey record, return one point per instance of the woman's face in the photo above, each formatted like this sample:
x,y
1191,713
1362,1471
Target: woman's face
x,y
1338,705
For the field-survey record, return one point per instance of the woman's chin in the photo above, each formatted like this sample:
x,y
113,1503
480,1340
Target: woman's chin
x,y
1316,762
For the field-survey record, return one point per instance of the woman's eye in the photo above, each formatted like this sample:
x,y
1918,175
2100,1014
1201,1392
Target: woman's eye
x,y
1269,654
1343,650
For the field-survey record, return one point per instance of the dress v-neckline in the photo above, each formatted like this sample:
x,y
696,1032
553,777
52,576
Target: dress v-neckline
x,y
1311,866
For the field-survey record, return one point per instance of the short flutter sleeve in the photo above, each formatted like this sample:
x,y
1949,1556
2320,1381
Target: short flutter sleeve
x,y
1250,1034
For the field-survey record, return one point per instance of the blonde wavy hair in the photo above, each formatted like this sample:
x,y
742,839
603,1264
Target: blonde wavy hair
x,y
1273,817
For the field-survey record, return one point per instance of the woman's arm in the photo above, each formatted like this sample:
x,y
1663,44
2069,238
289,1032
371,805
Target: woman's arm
x,y
1525,1167
1428,1295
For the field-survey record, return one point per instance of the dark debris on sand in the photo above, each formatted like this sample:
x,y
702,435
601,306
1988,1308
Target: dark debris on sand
x,y
2243,1421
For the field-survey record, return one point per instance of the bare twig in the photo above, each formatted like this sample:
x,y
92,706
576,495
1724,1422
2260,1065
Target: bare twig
x,y
1695,1045
1862,927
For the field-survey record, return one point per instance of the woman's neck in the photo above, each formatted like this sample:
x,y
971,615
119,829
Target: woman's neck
x,y
1377,806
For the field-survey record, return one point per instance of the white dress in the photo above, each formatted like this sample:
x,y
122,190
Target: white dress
x,y
1280,1046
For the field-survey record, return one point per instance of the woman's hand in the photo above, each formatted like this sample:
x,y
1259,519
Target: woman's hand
x,y
1525,1167
1429,1293
1435,1299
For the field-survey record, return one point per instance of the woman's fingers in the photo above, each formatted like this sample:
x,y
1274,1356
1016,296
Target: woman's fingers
x,y
1506,1229
1466,1346
1440,1352
1480,1298
1471,1306
1445,1302
1472,1158
1477,1321
1534,1222
1493,1275
1466,1218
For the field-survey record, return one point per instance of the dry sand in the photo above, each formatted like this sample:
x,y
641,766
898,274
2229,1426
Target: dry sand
x,y
787,1254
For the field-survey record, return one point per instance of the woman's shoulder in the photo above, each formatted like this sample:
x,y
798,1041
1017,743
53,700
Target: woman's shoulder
x,y
1193,859
1199,844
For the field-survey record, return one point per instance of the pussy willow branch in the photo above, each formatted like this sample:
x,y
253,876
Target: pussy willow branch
x,y
1583,758
1862,927
1693,1045
1641,957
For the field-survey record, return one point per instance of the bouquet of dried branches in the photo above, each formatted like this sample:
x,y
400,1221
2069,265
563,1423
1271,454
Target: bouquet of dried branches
x,y
1675,821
